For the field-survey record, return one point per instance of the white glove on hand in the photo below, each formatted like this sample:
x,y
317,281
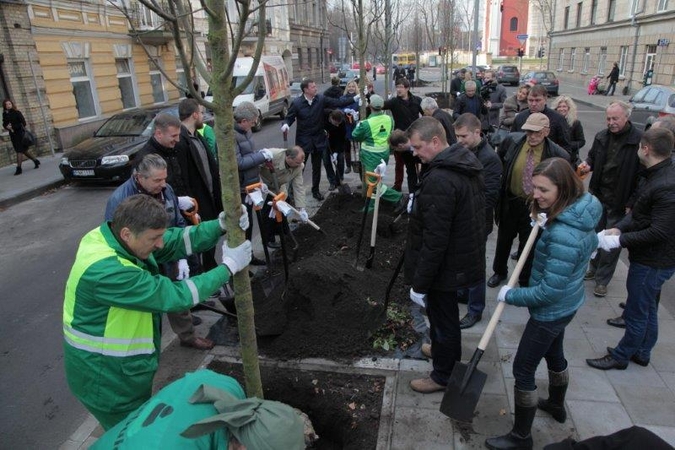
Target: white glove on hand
x,y
255,198
302,214
243,219
360,101
608,242
183,270
266,154
541,220
333,158
411,199
501,297
185,203
285,128
282,206
238,257
418,298
381,168
365,90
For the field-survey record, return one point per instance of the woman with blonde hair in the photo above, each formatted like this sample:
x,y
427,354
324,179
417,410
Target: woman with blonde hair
x,y
566,106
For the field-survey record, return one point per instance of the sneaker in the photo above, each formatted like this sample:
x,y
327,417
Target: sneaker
x,y
425,385
600,290
590,275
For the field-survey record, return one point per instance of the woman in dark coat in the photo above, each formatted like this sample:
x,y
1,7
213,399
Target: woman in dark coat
x,y
14,122
613,79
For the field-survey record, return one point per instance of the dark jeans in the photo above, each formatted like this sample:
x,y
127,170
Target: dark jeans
x,y
604,263
475,298
612,87
514,220
539,340
317,156
642,328
446,336
408,160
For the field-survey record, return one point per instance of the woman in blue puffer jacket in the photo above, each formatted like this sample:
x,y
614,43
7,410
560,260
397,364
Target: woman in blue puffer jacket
x,y
555,293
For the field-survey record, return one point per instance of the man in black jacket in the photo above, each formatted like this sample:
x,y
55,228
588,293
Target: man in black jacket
x,y
522,154
445,252
467,129
430,108
536,101
647,233
308,109
615,165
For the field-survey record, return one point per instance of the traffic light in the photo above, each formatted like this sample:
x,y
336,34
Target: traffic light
x,y
521,52
542,52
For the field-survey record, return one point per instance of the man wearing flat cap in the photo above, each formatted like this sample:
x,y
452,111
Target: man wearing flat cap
x,y
522,153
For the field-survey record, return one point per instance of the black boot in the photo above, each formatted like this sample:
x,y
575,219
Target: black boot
x,y
36,162
18,171
520,437
557,387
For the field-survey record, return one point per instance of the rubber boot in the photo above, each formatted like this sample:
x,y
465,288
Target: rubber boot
x,y
557,387
520,437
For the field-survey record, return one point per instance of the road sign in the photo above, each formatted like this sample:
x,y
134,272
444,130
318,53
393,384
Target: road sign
x,y
522,38
663,42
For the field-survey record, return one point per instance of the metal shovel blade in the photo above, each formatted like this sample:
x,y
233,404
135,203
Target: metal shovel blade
x,y
458,405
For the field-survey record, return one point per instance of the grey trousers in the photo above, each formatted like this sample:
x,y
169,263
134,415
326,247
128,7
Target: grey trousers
x,y
604,263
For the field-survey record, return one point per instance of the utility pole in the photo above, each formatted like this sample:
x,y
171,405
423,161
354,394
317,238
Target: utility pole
x,y
476,5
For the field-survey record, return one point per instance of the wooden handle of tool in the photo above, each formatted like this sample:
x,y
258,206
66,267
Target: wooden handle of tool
x,y
371,184
373,231
482,345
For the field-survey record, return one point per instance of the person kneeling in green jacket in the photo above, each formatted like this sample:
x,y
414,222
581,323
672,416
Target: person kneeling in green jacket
x,y
115,295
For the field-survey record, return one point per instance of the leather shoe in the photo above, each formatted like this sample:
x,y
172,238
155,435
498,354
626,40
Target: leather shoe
x,y
469,320
495,280
622,305
606,363
257,262
426,350
317,195
635,358
600,290
425,385
196,320
590,275
198,343
514,255
617,322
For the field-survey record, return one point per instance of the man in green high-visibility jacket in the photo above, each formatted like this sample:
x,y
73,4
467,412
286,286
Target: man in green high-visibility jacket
x,y
373,134
115,294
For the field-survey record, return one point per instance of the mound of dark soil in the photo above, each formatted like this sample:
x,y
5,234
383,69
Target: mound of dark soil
x,y
332,306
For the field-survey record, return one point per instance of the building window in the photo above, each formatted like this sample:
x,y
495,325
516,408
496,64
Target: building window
x,y
125,82
309,59
566,23
300,59
623,60
561,59
83,89
611,8
579,14
573,57
662,6
602,62
594,11
635,7
513,24
157,80
587,60
650,57
180,76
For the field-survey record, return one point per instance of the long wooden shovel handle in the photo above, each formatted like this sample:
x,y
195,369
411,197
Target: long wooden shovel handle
x,y
373,231
482,345
309,222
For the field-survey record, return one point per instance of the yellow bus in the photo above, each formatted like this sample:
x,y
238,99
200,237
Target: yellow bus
x,y
403,60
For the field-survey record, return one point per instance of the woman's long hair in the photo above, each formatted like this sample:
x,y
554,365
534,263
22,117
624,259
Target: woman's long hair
x,y
570,187
8,100
572,113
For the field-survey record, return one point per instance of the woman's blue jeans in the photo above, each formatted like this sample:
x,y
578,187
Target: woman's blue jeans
x,y
540,340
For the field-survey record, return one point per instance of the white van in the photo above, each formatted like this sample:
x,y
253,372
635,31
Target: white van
x,y
269,90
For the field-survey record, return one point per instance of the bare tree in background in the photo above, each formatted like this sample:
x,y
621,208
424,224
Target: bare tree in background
x,y
227,30
546,9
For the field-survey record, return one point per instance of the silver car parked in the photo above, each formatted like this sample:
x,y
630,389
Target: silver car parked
x,y
650,103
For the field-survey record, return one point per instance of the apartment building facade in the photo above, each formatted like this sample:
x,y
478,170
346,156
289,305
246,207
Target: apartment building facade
x,y
590,35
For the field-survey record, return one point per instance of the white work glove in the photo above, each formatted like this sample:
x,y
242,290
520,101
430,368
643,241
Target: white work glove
x,y
303,216
243,219
381,168
238,257
255,198
541,220
360,101
365,90
183,270
282,206
418,298
608,242
333,158
285,128
501,297
266,154
411,199
185,203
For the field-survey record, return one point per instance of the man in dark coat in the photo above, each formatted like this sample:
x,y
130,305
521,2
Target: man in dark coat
x,y
445,252
536,101
467,129
647,233
522,154
615,165
430,108
308,109
334,91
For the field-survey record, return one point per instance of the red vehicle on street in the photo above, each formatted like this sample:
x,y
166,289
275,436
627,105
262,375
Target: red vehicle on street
x,y
357,66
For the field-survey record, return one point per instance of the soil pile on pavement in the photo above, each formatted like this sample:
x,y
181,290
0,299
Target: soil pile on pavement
x,y
331,306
